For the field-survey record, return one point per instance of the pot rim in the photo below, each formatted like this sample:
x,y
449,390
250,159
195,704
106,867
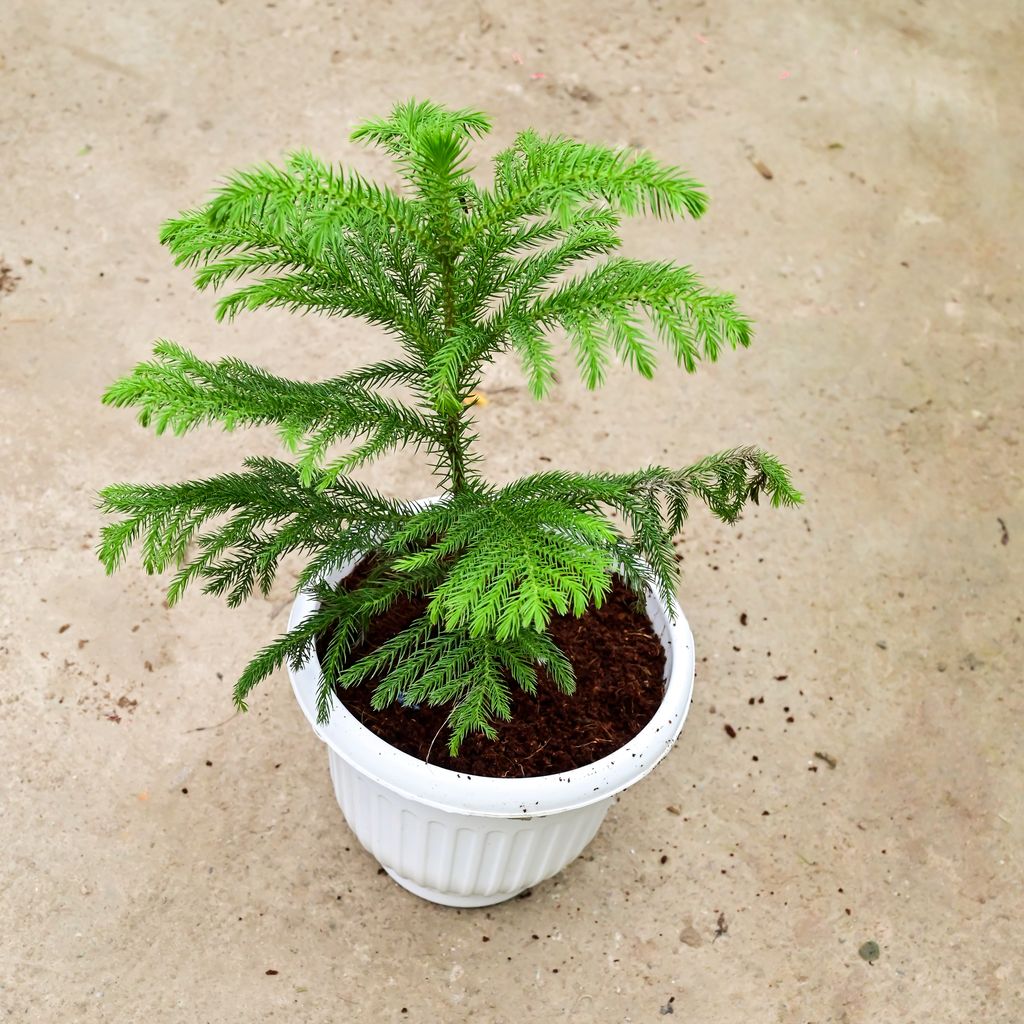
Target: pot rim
x,y
487,796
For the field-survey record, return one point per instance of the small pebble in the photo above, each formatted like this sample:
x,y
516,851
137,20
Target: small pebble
x,y
869,952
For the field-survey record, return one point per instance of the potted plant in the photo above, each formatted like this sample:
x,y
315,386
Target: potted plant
x,y
454,619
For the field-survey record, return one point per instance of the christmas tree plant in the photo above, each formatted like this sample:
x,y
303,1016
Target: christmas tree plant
x,y
454,273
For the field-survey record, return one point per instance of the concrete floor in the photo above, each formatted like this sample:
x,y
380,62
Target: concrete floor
x,y
882,263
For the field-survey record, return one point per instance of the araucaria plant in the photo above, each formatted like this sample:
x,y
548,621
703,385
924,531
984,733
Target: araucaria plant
x,y
454,273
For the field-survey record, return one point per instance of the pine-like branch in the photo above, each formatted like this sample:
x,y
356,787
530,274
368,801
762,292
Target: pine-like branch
x,y
338,245
409,122
509,565
179,391
655,503
538,176
599,310
271,511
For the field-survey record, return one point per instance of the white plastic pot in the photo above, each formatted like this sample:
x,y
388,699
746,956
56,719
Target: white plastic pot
x,y
469,840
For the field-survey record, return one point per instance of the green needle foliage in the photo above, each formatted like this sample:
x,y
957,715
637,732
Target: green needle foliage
x,y
455,273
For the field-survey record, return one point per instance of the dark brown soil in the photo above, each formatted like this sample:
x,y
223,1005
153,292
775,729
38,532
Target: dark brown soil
x,y
620,672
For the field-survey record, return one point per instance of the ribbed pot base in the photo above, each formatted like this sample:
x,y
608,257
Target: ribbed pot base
x,y
459,860
450,899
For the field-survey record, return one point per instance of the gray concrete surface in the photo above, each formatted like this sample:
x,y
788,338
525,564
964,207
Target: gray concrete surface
x,y
882,263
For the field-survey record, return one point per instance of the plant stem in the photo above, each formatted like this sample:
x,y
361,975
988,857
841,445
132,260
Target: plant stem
x,y
453,449
453,445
